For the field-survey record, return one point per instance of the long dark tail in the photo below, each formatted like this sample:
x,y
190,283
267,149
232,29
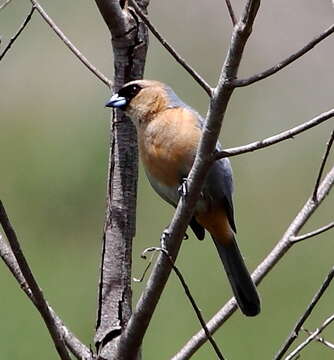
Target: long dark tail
x,y
242,285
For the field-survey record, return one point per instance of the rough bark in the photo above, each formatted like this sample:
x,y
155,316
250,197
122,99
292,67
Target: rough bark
x,y
129,43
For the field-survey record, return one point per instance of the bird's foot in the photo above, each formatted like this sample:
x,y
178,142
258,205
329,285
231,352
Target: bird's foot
x,y
183,188
164,238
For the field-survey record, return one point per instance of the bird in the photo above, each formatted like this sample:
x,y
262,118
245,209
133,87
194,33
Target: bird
x,y
168,133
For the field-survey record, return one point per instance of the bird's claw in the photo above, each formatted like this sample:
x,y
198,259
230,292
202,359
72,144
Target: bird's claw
x,y
183,188
163,239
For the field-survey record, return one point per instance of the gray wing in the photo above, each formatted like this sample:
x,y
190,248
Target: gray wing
x,y
218,185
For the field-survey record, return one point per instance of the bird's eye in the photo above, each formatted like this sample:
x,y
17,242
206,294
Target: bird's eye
x,y
130,91
134,89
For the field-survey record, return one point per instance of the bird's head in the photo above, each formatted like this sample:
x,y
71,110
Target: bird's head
x,y
141,100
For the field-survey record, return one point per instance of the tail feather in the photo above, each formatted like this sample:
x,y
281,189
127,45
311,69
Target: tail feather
x,y
242,285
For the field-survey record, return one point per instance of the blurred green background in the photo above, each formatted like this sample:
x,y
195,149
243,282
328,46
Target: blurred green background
x,y
53,158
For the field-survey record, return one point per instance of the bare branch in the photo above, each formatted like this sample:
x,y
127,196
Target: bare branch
x,y
312,337
68,43
114,16
322,166
295,331
171,50
313,233
135,330
190,298
129,42
287,134
231,12
320,339
282,64
262,270
21,28
30,279
79,350
3,5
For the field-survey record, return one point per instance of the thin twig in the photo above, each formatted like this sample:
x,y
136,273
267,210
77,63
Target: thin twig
x,y
312,337
30,279
312,233
295,331
282,64
171,50
322,166
287,134
320,339
17,34
3,5
281,248
68,43
191,299
231,12
79,350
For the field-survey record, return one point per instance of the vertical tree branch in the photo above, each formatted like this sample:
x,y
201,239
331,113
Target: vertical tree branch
x,y
129,42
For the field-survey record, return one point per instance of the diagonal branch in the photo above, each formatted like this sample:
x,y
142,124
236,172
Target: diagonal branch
x,y
134,332
68,43
79,350
4,4
231,12
295,331
21,28
282,64
322,166
312,337
171,50
320,339
190,298
263,269
313,233
287,134
30,279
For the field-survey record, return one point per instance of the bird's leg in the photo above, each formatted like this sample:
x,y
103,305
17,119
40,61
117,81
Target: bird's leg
x,y
183,188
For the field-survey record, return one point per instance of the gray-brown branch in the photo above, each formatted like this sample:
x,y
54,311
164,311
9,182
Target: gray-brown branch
x,y
77,348
17,34
263,269
129,43
69,44
40,301
295,331
134,333
282,64
195,75
287,134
